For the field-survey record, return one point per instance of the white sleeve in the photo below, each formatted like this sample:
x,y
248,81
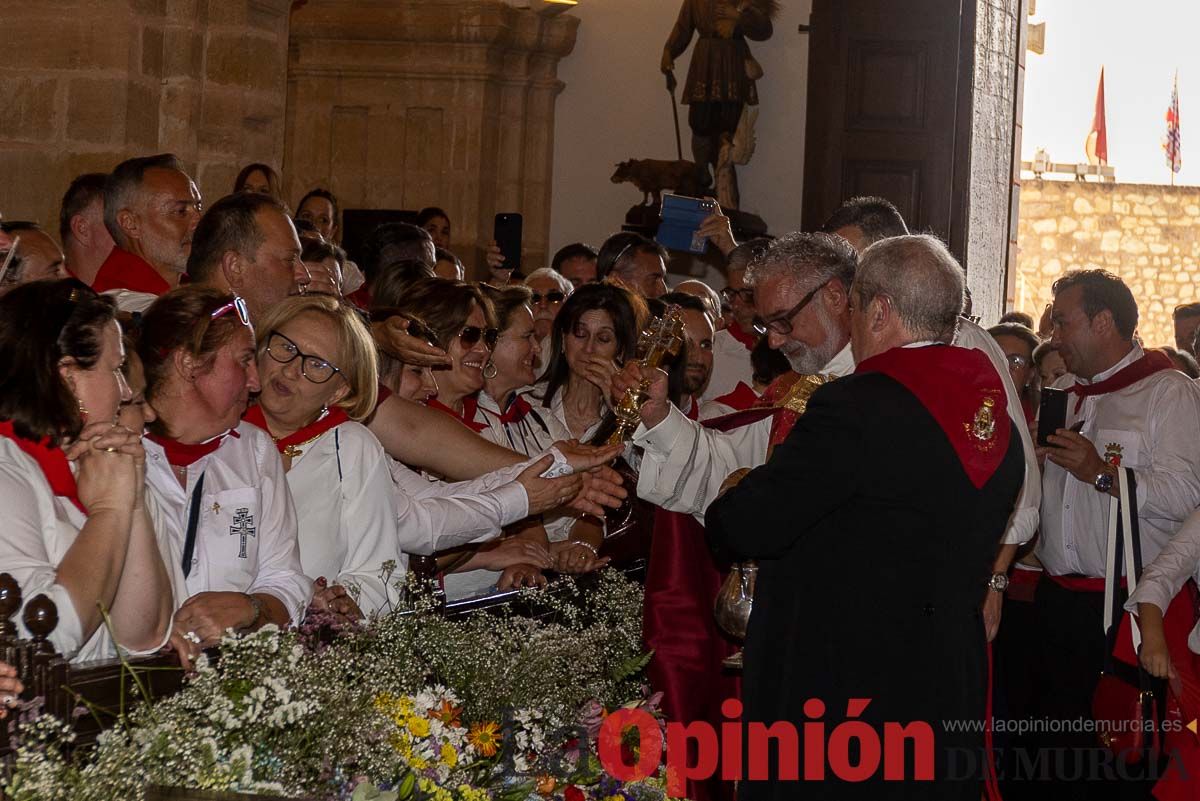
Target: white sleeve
x,y
279,571
368,517
417,486
1162,579
685,464
433,516
1023,523
1169,487
29,519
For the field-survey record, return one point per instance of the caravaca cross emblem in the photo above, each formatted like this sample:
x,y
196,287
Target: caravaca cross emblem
x,y
243,525
982,428
1112,453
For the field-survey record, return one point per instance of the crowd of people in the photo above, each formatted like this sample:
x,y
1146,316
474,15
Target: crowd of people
x,y
211,419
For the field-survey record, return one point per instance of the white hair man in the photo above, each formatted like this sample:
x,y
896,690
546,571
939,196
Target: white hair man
x,y
873,523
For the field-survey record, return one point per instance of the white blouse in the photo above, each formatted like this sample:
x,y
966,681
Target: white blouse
x,y
343,491
246,538
1162,579
39,528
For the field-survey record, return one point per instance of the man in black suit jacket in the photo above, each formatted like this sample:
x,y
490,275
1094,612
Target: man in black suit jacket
x,y
875,524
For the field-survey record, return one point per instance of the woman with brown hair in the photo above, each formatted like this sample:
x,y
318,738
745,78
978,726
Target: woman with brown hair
x,y
218,481
463,322
259,178
72,479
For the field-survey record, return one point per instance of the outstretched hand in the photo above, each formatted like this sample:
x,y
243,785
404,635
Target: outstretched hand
x,y
393,338
601,484
548,493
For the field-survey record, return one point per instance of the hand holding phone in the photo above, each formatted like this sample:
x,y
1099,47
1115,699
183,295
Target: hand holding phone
x,y
1052,414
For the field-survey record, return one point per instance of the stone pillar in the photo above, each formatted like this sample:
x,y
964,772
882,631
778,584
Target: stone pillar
x,y
399,104
85,84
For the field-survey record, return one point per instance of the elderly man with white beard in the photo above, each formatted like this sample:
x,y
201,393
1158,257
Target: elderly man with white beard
x,y
801,292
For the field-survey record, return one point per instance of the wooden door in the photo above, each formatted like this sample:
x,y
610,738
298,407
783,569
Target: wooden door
x,y
889,110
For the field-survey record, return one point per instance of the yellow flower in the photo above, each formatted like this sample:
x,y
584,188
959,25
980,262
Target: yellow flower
x,y
418,726
449,755
485,737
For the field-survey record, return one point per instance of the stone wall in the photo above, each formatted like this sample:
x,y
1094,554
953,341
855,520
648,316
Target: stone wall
x,y
85,84
1147,234
412,103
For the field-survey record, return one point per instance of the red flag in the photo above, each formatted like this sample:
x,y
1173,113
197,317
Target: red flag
x,y
1096,146
1172,143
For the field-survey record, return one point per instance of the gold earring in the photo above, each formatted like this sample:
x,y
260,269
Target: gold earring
x,y
83,412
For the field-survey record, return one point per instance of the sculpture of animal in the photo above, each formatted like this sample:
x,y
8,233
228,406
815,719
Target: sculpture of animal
x,y
652,176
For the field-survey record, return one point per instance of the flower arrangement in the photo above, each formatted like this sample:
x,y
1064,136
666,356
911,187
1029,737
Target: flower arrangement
x,y
411,706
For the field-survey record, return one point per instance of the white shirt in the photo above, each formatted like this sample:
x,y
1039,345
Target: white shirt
x,y
39,528
1162,579
685,463
343,491
731,364
1155,426
246,538
128,300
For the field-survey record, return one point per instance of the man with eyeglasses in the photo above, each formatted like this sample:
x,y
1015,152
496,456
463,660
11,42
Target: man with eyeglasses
x,y
801,286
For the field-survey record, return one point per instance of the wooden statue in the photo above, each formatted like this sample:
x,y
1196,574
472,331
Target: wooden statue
x,y
721,79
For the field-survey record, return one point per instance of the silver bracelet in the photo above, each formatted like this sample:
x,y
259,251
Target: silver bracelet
x,y
587,545
258,611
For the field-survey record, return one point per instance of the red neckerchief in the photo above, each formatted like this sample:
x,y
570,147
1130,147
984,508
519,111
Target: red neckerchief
x,y
124,270
741,335
1151,362
516,411
361,298
467,418
53,462
742,397
331,419
181,454
960,388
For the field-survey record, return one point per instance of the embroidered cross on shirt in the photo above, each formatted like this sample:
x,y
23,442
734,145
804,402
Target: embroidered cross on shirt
x,y
243,524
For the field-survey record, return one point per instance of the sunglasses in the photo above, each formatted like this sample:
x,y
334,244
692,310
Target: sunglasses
x,y
745,295
473,333
550,297
782,323
285,351
236,305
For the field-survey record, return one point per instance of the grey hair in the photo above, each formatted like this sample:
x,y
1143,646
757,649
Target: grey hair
x,y
123,184
923,280
801,257
554,275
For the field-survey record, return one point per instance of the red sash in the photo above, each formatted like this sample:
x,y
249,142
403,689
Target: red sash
x,y
961,391
741,398
185,454
51,460
124,270
467,418
516,410
1150,363
331,419
741,335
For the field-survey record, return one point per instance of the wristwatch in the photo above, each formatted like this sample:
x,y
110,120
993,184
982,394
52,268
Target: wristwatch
x,y
1103,482
998,582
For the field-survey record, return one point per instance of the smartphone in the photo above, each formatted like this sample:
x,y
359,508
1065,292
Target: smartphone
x,y
1052,414
507,234
681,220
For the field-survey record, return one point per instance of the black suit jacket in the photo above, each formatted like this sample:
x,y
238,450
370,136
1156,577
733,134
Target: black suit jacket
x,y
874,550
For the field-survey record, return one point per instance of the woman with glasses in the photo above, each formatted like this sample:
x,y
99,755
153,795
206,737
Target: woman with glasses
x,y
463,324
514,423
77,526
1018,343
595,333
219,482
316,367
